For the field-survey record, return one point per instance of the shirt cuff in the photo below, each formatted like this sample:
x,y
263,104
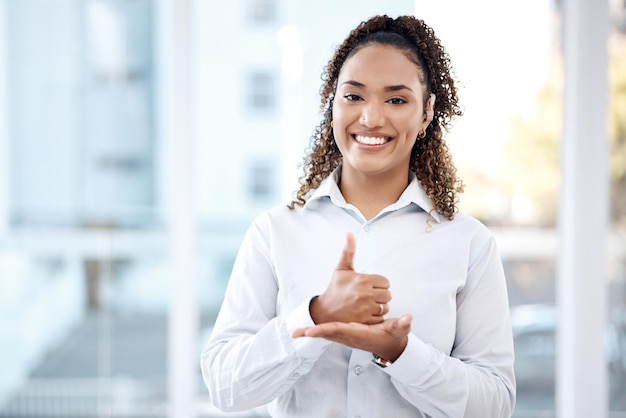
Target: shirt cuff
x,y
305,347
415,363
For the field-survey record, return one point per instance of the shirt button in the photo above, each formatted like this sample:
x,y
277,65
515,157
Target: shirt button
x,y
358,370
367,228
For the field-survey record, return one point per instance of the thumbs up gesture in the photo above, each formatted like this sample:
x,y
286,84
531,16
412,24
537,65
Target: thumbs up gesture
x,y
352,296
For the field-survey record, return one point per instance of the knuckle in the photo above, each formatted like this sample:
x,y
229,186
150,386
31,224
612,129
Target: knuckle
x,y
362,279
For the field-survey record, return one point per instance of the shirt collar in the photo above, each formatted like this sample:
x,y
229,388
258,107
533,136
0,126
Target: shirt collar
x,y
329,188
414,193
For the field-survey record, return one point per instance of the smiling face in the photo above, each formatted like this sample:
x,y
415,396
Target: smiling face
x,y
378,112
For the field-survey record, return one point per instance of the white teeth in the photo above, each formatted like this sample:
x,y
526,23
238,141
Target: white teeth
x,y
370,140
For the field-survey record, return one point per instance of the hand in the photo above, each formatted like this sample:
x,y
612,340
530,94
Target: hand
x,y
350,296
387,339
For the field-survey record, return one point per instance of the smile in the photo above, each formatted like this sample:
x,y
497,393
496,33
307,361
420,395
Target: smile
x,y
370,140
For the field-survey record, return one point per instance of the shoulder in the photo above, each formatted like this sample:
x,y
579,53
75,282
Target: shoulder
x,y
468,231
468,225
278,216
279,213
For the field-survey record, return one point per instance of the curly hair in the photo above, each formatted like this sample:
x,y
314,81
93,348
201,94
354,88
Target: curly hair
x,y
430,157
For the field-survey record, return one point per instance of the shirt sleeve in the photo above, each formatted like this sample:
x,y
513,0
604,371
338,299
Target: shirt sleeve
x,y
476,379
251,358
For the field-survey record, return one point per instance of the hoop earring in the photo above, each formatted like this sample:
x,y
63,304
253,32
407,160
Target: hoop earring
x,y
421,134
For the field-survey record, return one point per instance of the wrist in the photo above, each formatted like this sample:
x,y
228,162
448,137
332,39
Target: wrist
x,y
314,309
381,362
392,354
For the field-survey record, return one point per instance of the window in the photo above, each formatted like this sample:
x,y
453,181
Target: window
x,y
261,181
261,92
261,11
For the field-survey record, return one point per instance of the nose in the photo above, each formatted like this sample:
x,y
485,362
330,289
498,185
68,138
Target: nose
x,y
372,116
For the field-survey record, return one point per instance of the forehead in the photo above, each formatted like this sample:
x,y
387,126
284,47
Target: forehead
x,y
377,64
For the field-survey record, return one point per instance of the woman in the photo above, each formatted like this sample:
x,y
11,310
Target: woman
x,y
370,295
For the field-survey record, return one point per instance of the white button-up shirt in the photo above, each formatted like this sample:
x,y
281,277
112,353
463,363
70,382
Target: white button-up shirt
x,y
459,358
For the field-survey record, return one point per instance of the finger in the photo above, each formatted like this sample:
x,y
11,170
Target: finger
x,y
347,256
400,325
321,330
379,282
381,295
334,329
381,310
405,321
299,332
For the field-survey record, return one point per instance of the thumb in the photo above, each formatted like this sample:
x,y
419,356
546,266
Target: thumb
x,y
400,325
405,321
345,262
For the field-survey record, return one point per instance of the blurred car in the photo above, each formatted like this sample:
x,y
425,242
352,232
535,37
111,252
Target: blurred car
x,y
534,335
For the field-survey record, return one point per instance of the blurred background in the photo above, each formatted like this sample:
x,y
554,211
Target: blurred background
x,y
88,193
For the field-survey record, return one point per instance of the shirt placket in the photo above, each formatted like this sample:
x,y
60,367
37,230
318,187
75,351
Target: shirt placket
x,y
365,261
365,257
358,371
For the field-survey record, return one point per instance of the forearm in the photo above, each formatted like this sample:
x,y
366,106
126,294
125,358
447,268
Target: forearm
x,y
245,370
444,386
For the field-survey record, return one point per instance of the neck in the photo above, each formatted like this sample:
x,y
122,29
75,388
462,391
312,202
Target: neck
x,y
371,194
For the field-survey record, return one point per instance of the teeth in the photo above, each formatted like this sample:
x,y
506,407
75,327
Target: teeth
x,y
370,140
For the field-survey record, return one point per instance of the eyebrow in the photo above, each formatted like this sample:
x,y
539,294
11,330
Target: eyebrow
x,y
396,87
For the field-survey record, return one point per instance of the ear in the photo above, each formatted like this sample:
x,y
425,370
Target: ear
x,y
429,111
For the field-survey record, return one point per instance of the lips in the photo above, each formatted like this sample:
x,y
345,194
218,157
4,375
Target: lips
x,y
371,140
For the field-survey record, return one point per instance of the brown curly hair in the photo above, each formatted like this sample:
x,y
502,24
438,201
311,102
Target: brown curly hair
x,y
430,158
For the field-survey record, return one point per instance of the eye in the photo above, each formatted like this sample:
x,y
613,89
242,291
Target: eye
x,y
352,97
397,101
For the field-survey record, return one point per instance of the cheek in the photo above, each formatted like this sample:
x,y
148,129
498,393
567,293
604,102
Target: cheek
x,y
340,121
337,114
411,131
345,114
